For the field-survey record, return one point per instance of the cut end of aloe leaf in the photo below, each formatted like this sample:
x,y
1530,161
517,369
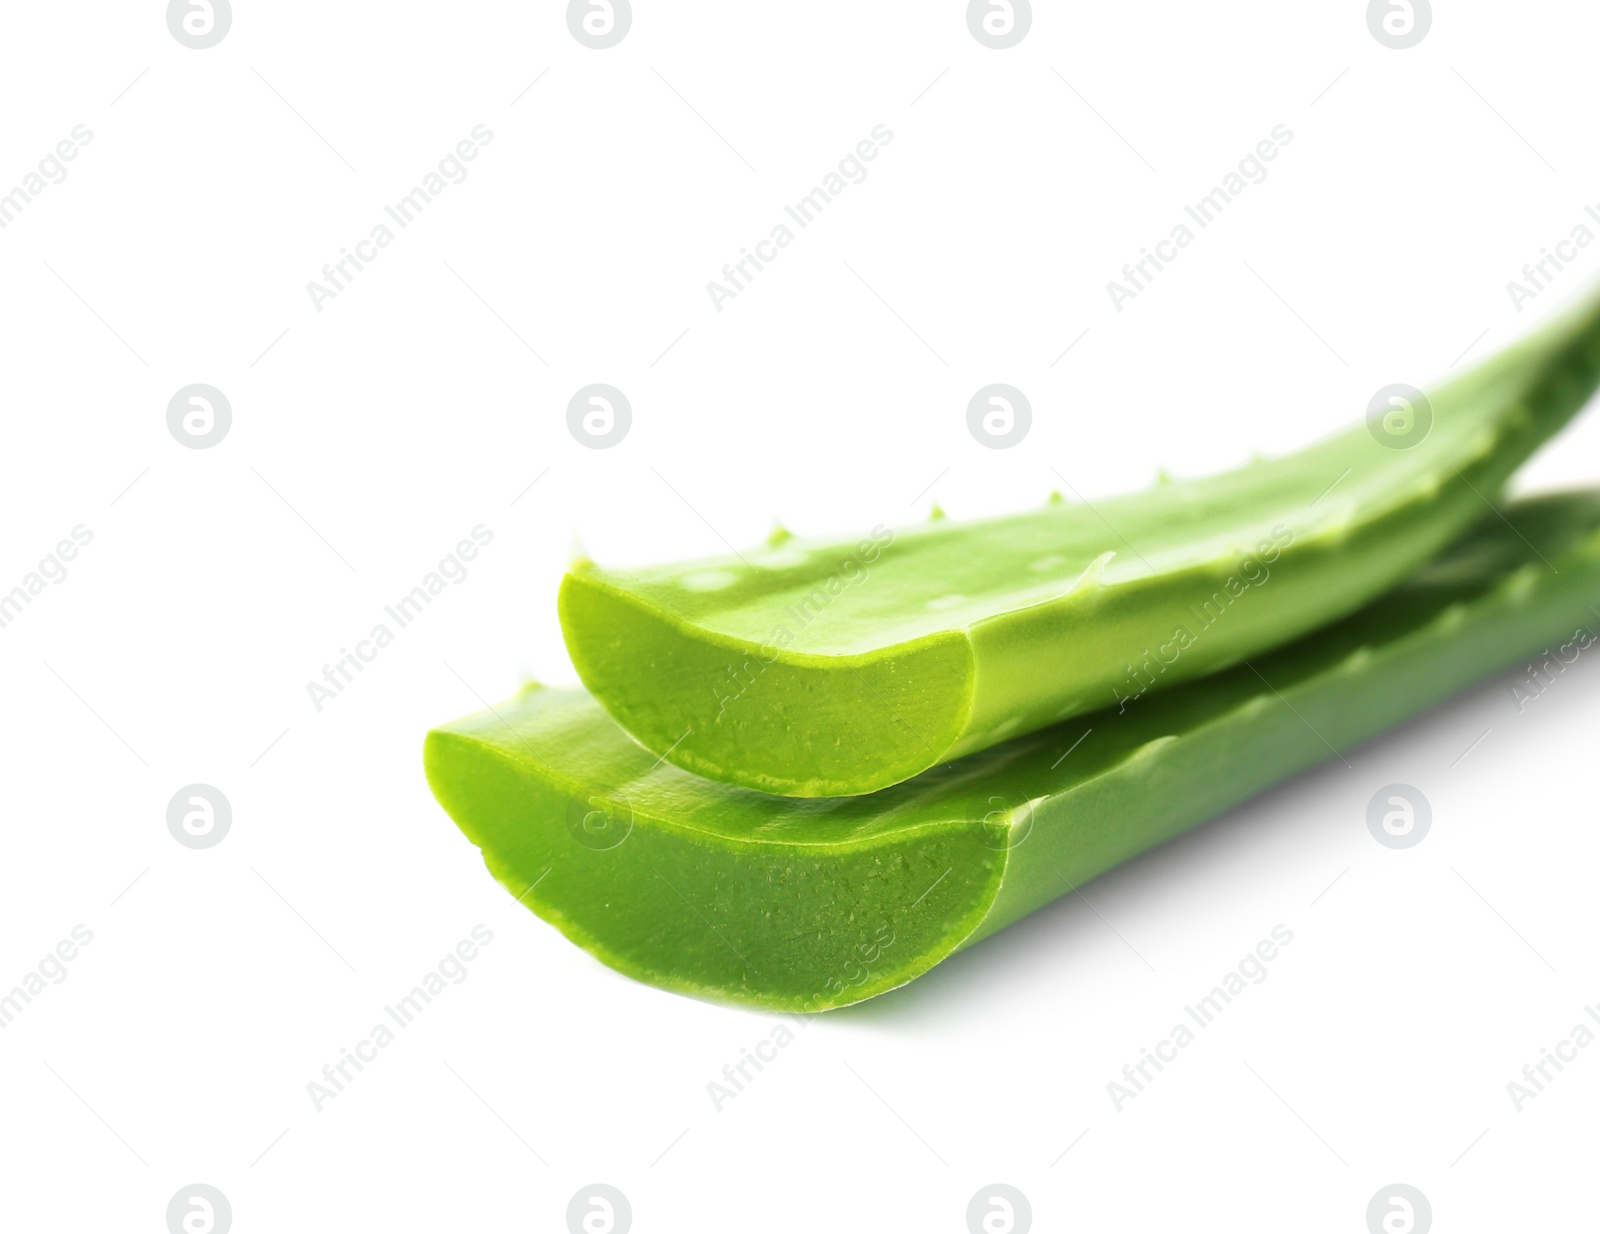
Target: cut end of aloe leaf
x,y
802,905
746,900
718,702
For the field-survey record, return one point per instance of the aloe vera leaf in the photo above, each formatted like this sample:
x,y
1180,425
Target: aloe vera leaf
x,y
806,904
825,669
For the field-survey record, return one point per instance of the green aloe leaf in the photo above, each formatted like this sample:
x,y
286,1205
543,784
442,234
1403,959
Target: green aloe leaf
x,y
826,669
805,904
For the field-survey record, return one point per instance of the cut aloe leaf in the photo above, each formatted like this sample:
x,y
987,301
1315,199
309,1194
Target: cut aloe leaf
x,y
826,669
728,893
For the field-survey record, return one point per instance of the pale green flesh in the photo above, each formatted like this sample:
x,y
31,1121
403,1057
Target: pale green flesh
x,y
814,669
733,894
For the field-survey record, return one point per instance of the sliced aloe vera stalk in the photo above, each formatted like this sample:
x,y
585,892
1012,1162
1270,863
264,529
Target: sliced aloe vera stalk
x,y
729,893
813,669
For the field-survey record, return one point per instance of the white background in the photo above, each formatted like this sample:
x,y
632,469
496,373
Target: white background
x,y
369,437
